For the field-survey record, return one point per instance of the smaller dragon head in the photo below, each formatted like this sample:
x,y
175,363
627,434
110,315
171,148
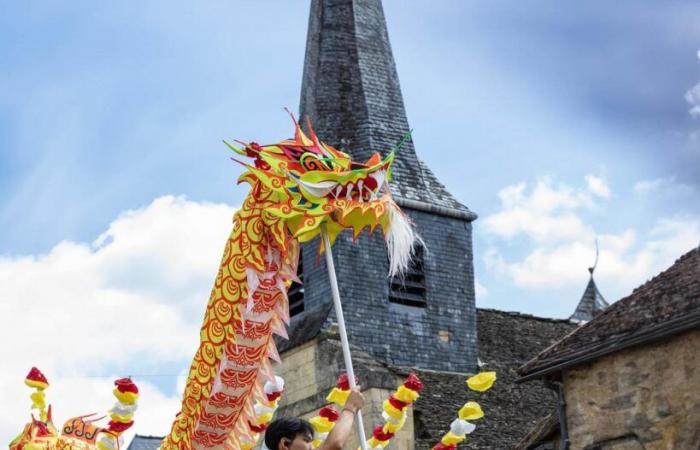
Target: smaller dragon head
x,y
78,433
312,185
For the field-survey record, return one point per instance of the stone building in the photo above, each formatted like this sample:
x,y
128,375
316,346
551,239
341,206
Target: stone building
x,y
630,378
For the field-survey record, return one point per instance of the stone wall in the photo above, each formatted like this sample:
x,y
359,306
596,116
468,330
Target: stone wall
x,y
310,371
647,397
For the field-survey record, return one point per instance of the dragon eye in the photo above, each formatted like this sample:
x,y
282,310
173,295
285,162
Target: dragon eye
x,y
311,161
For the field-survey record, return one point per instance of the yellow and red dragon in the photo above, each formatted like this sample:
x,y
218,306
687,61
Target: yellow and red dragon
x,y
298,187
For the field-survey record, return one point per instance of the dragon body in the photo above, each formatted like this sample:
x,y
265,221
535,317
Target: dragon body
x,y
298,186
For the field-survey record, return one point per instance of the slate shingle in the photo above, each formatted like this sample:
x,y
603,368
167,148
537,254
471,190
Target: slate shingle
x,y
140,442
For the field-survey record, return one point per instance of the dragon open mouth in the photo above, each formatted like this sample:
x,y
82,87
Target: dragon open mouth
x,y
367,188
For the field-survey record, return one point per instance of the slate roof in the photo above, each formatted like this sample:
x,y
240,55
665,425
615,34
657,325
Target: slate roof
x,y
351,92
506,339
665,305
591,303
140,442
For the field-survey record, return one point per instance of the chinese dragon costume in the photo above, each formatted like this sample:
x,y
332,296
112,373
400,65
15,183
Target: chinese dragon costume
x,y
298,186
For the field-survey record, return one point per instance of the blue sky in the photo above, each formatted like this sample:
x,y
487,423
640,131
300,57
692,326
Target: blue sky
x,y
557,123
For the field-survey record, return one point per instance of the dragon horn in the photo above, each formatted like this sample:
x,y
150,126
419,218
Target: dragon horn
x,y
238,150
314,138
299,136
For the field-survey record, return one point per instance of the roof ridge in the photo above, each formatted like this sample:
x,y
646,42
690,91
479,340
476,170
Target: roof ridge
x,y
525,315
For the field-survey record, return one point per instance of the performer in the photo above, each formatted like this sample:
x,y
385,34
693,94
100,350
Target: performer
x,y
291,433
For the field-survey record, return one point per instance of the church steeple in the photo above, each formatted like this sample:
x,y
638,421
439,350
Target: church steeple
x,y
351,92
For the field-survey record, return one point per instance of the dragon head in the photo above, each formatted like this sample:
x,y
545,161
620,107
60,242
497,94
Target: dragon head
x,y
313,185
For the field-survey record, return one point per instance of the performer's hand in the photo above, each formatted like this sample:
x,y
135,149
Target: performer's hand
x,y
355,401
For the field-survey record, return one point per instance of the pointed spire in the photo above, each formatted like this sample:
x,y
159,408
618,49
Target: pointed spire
x,y
592,301
351,92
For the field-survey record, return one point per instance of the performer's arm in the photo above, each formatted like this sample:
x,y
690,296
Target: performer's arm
x,y
343,426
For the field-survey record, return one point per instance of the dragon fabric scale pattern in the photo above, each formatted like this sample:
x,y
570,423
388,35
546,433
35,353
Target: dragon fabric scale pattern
x,y
298,187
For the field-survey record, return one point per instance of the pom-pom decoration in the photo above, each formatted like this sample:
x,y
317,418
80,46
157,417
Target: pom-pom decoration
x,y
325,420
461,427
264,412
121,414
35,379
394,412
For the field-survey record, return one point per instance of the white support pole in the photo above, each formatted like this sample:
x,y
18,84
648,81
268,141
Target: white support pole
x,y
341,328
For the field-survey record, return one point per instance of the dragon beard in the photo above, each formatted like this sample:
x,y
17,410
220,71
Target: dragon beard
x,y
401,239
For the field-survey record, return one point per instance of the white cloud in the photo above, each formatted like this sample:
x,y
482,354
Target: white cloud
x,y
668,184
563,242
625,260
480,290
598,186
545,214
127,303
692,96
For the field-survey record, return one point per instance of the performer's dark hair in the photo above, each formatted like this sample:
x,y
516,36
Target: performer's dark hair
x,y
286,427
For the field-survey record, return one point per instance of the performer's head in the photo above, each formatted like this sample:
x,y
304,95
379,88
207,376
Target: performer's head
x,y
289,433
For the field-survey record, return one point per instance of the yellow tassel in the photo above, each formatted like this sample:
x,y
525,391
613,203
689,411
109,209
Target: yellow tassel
x,y
482,381
122,419
471,411
391,410
36,384
270,404
406,395
391,427
128,398
373,442
451,439
337,396
321,424
265,418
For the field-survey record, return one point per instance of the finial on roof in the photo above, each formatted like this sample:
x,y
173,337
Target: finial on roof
x,y
592,301
595,263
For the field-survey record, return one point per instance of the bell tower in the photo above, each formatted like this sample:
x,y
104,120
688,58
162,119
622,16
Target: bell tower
x,y
351,92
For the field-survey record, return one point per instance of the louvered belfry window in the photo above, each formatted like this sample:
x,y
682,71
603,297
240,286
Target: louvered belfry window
x,y
295,294
409,289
